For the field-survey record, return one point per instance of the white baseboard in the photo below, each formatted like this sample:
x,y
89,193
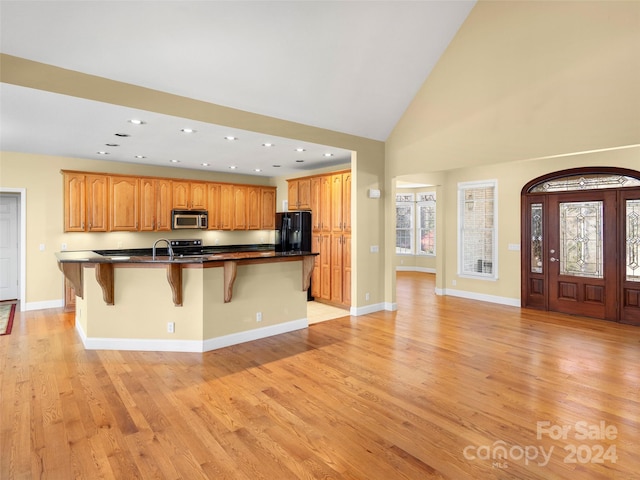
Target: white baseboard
x,y
194,346
376,307
43,305
512,302
415,269
255,334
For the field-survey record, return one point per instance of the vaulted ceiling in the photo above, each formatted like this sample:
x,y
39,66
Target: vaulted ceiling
x,y
347,66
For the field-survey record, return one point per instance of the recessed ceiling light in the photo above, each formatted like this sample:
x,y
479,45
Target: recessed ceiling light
x,y
140,156
122,135
257,169
299,161
300,150
230,137
174,161
102,153
328,154
135,121
204,164
112,145
188,130
232,167
268,145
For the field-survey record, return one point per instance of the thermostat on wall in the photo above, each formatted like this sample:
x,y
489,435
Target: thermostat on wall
x,y
374,193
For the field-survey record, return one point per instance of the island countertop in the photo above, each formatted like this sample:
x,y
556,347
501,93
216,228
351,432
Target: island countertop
x,y
206,254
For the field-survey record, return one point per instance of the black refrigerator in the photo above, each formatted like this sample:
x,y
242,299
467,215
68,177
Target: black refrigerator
x,y
293,231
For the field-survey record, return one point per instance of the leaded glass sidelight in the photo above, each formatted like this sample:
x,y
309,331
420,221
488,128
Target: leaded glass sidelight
x,y
633,240
581,245
536,238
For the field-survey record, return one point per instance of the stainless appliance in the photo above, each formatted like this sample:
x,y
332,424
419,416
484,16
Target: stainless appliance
x,y
189,219
293,231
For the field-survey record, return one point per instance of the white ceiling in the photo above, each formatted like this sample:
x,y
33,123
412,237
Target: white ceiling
x,y
348,66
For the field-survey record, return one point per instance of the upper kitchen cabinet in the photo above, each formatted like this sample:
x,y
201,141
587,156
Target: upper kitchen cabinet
x,y
341,202
268,220
86,202
226,206
240,206
254,208
215,210
190,195
155,204
299,194
124,205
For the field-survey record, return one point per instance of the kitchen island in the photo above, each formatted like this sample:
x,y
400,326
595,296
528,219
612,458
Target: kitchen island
x,y
133,300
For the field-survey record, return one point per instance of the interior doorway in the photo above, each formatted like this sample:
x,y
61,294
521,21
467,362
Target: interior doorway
x,y
20,195
581,243
9,246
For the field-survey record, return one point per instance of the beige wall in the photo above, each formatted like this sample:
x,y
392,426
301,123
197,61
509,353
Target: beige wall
x,y
520,91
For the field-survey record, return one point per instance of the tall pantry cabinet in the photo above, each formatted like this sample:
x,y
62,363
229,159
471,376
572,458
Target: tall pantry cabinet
x,y
330,204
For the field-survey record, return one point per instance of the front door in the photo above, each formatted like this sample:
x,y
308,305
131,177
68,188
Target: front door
x,y
581,244
582,253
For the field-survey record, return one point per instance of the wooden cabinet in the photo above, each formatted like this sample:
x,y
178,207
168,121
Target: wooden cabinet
x,y
324,261
337,253
314,201
341,269
124,204
97,203
299,194
254,208
268,208
346,202
213,202
104,202
325,204
239,221
315,275
330,204
190,195
155,204
226,206
86,202
346,270
75,202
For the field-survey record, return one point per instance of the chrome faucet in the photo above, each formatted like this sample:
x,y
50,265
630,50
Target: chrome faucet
x,y
153,257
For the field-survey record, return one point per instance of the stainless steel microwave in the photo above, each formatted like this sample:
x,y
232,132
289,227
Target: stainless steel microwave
x,y
189,219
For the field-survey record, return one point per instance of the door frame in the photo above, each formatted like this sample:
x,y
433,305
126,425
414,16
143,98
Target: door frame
x,y
535,286
22,237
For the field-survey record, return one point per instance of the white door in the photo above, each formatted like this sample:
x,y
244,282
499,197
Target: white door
x,y
8,247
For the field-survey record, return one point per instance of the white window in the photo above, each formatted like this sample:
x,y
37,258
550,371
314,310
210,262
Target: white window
x,y
477,222
404,223
426,216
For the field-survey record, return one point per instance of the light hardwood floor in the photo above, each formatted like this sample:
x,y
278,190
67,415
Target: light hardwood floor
x,y
427,392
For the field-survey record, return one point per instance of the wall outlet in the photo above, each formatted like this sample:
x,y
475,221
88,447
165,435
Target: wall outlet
x,y
454,283
171,327
63,246
42,247
259,317
367,296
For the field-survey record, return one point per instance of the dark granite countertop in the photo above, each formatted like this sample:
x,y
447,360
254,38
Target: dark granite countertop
x,y
192,255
